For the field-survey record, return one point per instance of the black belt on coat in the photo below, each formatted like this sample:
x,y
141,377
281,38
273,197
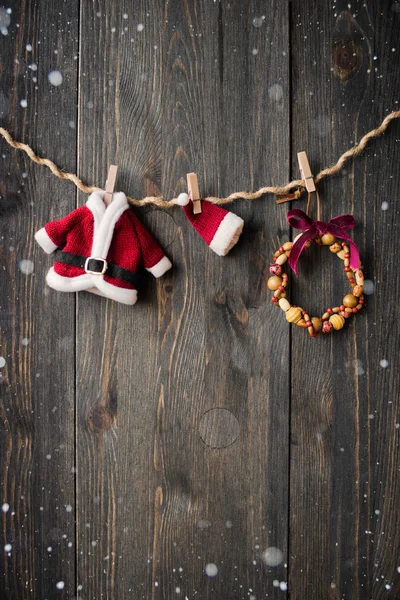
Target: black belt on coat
x,y
97,266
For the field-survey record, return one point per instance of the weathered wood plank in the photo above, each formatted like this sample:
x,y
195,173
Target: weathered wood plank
x,y
37,324
344,458
188,94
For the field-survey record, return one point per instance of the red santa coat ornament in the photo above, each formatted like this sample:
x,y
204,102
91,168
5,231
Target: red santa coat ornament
x,y
100,249
219,228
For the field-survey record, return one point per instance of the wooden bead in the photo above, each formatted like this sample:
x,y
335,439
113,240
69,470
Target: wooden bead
x,y
346,262
350,301
337,321
317,324
310,330
348,310
284,304
341,254
359,277
277,293
336,309
281,259
325,316
302,323
328,239
357,290
275,270
335,248
274,282
287,245
293,315
359,306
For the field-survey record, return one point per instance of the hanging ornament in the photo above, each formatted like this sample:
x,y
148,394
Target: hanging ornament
x,y
100,249
219,228
323,234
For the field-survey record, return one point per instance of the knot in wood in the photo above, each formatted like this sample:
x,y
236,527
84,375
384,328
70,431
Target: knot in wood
x,y
219,428
100,419
346,58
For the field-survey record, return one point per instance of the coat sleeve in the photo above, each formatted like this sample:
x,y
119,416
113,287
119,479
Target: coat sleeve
x,y
54,234
154,259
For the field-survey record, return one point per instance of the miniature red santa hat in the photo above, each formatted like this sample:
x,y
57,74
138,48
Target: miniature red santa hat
x,y
219,228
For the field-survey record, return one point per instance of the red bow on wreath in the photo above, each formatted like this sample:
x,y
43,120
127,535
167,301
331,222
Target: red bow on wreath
x,y
336,226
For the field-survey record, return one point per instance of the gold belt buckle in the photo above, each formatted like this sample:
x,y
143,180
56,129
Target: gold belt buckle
x,y
105,265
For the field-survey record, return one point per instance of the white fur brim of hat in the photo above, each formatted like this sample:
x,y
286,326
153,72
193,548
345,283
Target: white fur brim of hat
x,y
227,234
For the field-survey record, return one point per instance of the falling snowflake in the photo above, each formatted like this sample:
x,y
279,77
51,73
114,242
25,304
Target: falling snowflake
x,y
258,21
26,266
272,556
283,586
275,92
211,570
228,524
5,19
369,287
55,77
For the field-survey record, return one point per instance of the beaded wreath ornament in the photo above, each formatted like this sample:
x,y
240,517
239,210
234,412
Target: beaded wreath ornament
x,y
323,234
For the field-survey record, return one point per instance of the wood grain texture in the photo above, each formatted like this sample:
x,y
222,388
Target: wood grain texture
x,y
344,495
37,384
197,428
193,342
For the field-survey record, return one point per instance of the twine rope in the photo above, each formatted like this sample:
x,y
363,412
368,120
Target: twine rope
x,y
298,184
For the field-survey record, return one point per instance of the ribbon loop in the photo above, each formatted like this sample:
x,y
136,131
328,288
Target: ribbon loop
x,y
336,226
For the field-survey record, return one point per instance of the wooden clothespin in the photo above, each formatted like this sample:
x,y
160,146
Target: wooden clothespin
x,y
306,171
110,184
193,191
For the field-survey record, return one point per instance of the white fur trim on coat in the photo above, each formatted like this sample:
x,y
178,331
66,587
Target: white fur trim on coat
x,y
88,282
105,219
161,267
44,240
230,226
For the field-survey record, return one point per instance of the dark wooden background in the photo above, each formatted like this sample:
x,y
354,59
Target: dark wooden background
x,y
139,444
